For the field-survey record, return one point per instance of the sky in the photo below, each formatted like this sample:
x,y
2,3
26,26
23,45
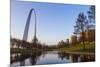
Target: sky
x,y
54,21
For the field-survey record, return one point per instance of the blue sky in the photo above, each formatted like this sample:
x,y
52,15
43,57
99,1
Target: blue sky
x,y
54,21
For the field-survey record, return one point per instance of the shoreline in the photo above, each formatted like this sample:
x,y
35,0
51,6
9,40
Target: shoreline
x,y
32,50
82,53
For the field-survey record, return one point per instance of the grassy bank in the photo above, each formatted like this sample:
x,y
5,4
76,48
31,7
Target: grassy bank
x,y
89,48
18,50
79,48
28,50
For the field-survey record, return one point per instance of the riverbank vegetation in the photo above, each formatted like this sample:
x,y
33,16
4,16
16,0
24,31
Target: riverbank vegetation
x,y
89,48
79,48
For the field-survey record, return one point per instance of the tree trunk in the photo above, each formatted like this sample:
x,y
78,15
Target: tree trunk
x,y
83,40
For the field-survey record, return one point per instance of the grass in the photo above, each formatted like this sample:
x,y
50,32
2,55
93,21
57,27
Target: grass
x,y
79,48
18,50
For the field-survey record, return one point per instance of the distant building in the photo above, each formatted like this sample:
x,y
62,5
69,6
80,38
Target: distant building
x,y
88,35
73,40
82,36
67,41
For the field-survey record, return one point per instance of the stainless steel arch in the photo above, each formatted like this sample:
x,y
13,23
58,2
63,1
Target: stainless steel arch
x,y
25,36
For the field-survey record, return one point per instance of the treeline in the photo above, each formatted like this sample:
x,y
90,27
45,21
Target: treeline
x,y
17,43
84,30
84,24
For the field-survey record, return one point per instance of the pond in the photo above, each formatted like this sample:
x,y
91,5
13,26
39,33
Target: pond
x,y
47,57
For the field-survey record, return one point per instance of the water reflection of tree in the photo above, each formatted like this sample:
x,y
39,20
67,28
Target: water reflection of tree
x,y
76,57
34,57
87,58
67,56
63,55
21,58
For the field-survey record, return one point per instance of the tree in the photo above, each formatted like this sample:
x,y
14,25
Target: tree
x,y
91,19
91,14
80,27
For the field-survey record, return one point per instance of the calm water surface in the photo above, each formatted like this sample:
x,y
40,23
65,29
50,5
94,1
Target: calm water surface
x,y
48,57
